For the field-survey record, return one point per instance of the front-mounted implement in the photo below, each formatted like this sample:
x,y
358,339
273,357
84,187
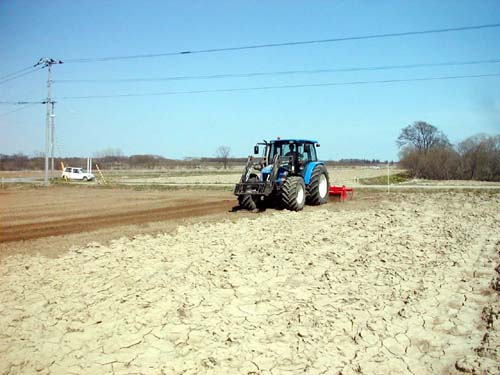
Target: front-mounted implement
x,y
288,174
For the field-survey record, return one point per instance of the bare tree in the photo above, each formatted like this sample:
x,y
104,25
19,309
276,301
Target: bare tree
x,y
426,152
222,154
480,157
422,137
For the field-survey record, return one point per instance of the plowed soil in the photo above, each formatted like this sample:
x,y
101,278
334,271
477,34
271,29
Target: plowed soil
x,y
400,283
91,214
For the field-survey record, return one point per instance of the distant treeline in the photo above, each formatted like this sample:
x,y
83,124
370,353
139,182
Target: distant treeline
x,y
427,153
24,162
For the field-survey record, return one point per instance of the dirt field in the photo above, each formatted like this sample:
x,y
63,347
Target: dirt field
x,y
383,284
95,214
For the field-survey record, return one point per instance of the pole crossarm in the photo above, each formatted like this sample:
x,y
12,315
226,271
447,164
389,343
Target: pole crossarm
x,y
45,62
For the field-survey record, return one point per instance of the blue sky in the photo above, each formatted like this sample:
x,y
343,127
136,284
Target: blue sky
x,y
352,121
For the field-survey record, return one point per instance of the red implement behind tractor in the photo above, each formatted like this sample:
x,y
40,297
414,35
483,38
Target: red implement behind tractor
x,y
341,192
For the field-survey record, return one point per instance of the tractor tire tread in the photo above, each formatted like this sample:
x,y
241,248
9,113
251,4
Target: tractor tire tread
x,y
246,201
313,195
289,193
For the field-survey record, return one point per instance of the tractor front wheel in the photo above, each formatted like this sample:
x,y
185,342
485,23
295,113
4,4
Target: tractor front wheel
x,y
293,193
247,202
318,189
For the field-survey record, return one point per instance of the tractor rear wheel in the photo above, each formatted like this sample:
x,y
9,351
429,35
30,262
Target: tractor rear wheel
x,y
319,186
293,193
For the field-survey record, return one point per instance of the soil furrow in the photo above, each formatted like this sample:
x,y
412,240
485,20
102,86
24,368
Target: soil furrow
x,y
58,227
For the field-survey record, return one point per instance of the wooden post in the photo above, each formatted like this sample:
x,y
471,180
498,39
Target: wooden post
x,y
388,176
102,176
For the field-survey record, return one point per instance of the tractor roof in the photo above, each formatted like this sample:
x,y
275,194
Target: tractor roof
x,y
294,141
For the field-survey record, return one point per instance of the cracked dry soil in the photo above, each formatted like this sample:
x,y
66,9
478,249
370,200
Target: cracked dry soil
x,y
406,287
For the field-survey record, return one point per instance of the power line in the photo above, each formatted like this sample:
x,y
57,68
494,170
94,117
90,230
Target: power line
x,y
281,87
18,109
16,72
22,102
282,44
20,75
286,72
42,63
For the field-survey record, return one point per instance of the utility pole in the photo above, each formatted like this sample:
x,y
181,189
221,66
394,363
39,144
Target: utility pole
x,y
47,63
52,138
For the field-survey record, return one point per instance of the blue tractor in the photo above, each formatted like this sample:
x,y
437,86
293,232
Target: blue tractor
x,y
288,174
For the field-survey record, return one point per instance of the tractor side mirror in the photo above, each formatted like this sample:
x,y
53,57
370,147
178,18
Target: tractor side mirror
x,y
256,150
307,148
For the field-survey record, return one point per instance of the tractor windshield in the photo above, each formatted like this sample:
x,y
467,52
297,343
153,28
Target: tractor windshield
x,y
304,151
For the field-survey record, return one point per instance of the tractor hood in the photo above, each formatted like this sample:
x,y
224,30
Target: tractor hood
x,y
267,169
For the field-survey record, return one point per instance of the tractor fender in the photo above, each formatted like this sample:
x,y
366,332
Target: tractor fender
x,y
309,170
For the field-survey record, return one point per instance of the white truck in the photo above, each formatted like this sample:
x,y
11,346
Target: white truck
x,y
71,173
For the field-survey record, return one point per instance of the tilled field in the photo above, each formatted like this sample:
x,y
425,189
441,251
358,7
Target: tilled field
x,y
407,286
61,210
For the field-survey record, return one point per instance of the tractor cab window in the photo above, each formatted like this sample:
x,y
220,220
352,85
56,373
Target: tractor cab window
x,y
311,153
283,149
306,155
308,152
305,151
290,149
275,149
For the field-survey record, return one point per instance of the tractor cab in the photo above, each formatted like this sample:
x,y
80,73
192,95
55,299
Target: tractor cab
x,y
293,154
